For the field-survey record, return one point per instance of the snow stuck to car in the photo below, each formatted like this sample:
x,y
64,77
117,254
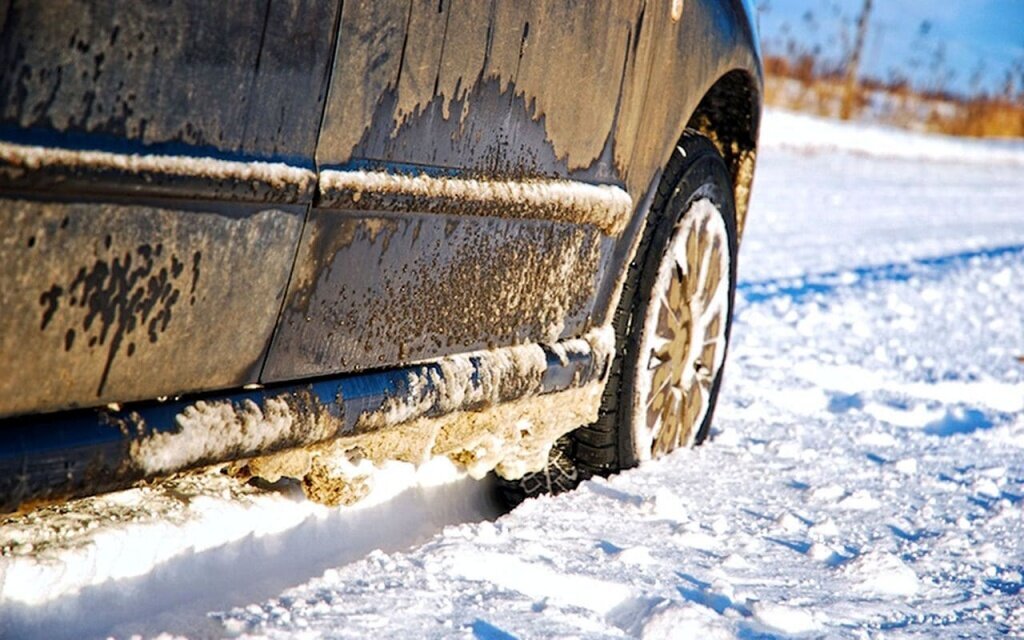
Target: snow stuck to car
x,y
606,206
275,174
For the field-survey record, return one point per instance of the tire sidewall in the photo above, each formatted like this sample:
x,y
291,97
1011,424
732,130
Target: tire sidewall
x,y
701,175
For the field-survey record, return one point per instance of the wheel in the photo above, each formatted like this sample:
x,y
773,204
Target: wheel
x,y
672,329
673,320
558,476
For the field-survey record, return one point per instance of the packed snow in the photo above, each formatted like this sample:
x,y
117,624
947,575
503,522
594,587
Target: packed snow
x,y
864,476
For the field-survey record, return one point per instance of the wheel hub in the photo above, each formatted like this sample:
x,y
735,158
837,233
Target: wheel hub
x,y
683,340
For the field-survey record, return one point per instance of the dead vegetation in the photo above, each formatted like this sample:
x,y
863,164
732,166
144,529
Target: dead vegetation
x,y
792,86
829,81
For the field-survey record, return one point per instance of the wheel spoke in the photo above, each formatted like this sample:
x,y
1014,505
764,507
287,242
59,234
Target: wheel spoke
x,y
684,333
667,306
713,278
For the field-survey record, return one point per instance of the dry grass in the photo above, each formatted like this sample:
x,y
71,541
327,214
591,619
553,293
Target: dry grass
x,y
796,85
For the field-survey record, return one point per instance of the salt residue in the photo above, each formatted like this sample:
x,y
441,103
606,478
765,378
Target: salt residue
x,y
486,409
451,385
605,206
512,438
275,174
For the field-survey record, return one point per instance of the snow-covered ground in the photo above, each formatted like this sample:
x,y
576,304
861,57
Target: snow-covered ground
x,y
865,475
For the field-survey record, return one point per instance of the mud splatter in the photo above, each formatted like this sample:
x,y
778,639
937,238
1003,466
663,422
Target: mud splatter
x,y
50,299
120,295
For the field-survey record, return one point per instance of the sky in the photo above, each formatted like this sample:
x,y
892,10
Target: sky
x,y
979,39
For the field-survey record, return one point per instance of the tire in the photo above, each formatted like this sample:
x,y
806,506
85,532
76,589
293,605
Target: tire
x,y
560,475
695,194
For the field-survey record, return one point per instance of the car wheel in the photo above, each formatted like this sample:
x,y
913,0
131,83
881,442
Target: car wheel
x,y
673,321
671,326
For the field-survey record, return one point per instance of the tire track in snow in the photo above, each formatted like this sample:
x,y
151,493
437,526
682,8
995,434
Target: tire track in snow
x,y
801,288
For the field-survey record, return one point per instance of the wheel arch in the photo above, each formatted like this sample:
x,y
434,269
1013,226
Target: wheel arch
x,y
729,115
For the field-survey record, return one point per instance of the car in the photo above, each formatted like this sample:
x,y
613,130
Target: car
x,y
294,235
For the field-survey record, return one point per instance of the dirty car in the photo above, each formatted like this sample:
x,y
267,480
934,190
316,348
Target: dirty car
x,y
283,233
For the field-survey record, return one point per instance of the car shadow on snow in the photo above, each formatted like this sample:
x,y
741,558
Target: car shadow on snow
x,y
176,596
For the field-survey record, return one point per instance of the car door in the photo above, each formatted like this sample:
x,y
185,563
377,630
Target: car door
x,y
156,165
434,108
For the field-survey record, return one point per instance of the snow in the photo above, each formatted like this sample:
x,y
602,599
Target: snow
x,y
206,429
881,573
864,475
606,206
275,174
143,560
810,134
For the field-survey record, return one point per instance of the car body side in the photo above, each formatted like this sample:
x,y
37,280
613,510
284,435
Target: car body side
x,y
203,197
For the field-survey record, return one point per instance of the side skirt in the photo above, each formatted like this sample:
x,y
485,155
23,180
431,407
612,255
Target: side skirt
x,y
54,457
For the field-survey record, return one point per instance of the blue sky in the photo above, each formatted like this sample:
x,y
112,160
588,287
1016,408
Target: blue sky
x,y
981,38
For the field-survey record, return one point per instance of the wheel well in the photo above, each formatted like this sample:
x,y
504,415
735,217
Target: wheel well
x,y
729,115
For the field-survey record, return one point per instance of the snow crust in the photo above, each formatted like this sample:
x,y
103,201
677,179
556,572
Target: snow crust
x,y
275,174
